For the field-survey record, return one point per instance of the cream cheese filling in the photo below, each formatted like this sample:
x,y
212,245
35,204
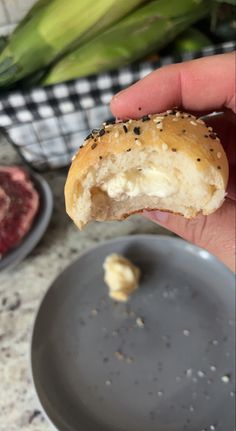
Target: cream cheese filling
x,y
149,181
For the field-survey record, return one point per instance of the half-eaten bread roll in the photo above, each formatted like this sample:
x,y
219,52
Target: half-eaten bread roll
x,y
171,162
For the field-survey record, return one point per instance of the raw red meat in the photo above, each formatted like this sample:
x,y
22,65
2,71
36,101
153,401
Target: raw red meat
x,y
23,205
17,173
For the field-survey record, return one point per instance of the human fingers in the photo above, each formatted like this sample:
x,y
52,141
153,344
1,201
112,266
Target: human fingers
x,y
215,232
198,85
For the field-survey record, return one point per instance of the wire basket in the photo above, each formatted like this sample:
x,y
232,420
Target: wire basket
x,y
47,125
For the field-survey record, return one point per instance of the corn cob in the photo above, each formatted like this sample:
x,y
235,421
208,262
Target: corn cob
x,y
150,27
51,28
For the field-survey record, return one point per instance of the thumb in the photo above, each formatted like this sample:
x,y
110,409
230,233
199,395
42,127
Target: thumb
x,y
215,232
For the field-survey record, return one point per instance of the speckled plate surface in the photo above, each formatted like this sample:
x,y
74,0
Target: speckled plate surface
x,y
16,255
162,362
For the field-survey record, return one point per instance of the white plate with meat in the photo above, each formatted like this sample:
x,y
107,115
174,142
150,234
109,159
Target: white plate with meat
x,y
25,211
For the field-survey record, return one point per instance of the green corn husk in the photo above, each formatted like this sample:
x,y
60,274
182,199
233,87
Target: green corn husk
x,y
51,28
150,27
189,41
3,42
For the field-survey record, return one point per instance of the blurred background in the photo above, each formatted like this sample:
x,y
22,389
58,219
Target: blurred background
x,y
60,64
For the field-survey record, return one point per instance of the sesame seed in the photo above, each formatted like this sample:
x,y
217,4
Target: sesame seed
x,y
212,428
145,118
201,374
140,322
94,312
125,128
129,149
215,342
129,360
219,155
73,158
175,119
232,394
119,355
109,122
213,368
225,378
193,123
137,141
157,119
169,111
165,146
189,372
177,114
137,130
130,121
212,136
199,121
160,393
102,132
116,134
191,409
210,129
186,332
159,125
108,383
93,146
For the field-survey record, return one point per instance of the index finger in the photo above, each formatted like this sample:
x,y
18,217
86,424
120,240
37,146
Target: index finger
x,y
198,85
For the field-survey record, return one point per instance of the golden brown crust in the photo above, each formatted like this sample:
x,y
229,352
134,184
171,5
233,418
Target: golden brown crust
x,y
171,131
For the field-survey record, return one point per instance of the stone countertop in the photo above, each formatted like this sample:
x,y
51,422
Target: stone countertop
x,y
22,288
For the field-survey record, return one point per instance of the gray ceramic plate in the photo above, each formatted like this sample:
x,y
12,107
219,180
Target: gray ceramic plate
x,y
38,228
97,368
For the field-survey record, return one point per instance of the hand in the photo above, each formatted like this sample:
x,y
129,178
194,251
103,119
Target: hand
x,y
197,86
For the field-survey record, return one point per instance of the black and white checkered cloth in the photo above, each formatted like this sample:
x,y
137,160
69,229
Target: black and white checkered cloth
x,y
47,125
